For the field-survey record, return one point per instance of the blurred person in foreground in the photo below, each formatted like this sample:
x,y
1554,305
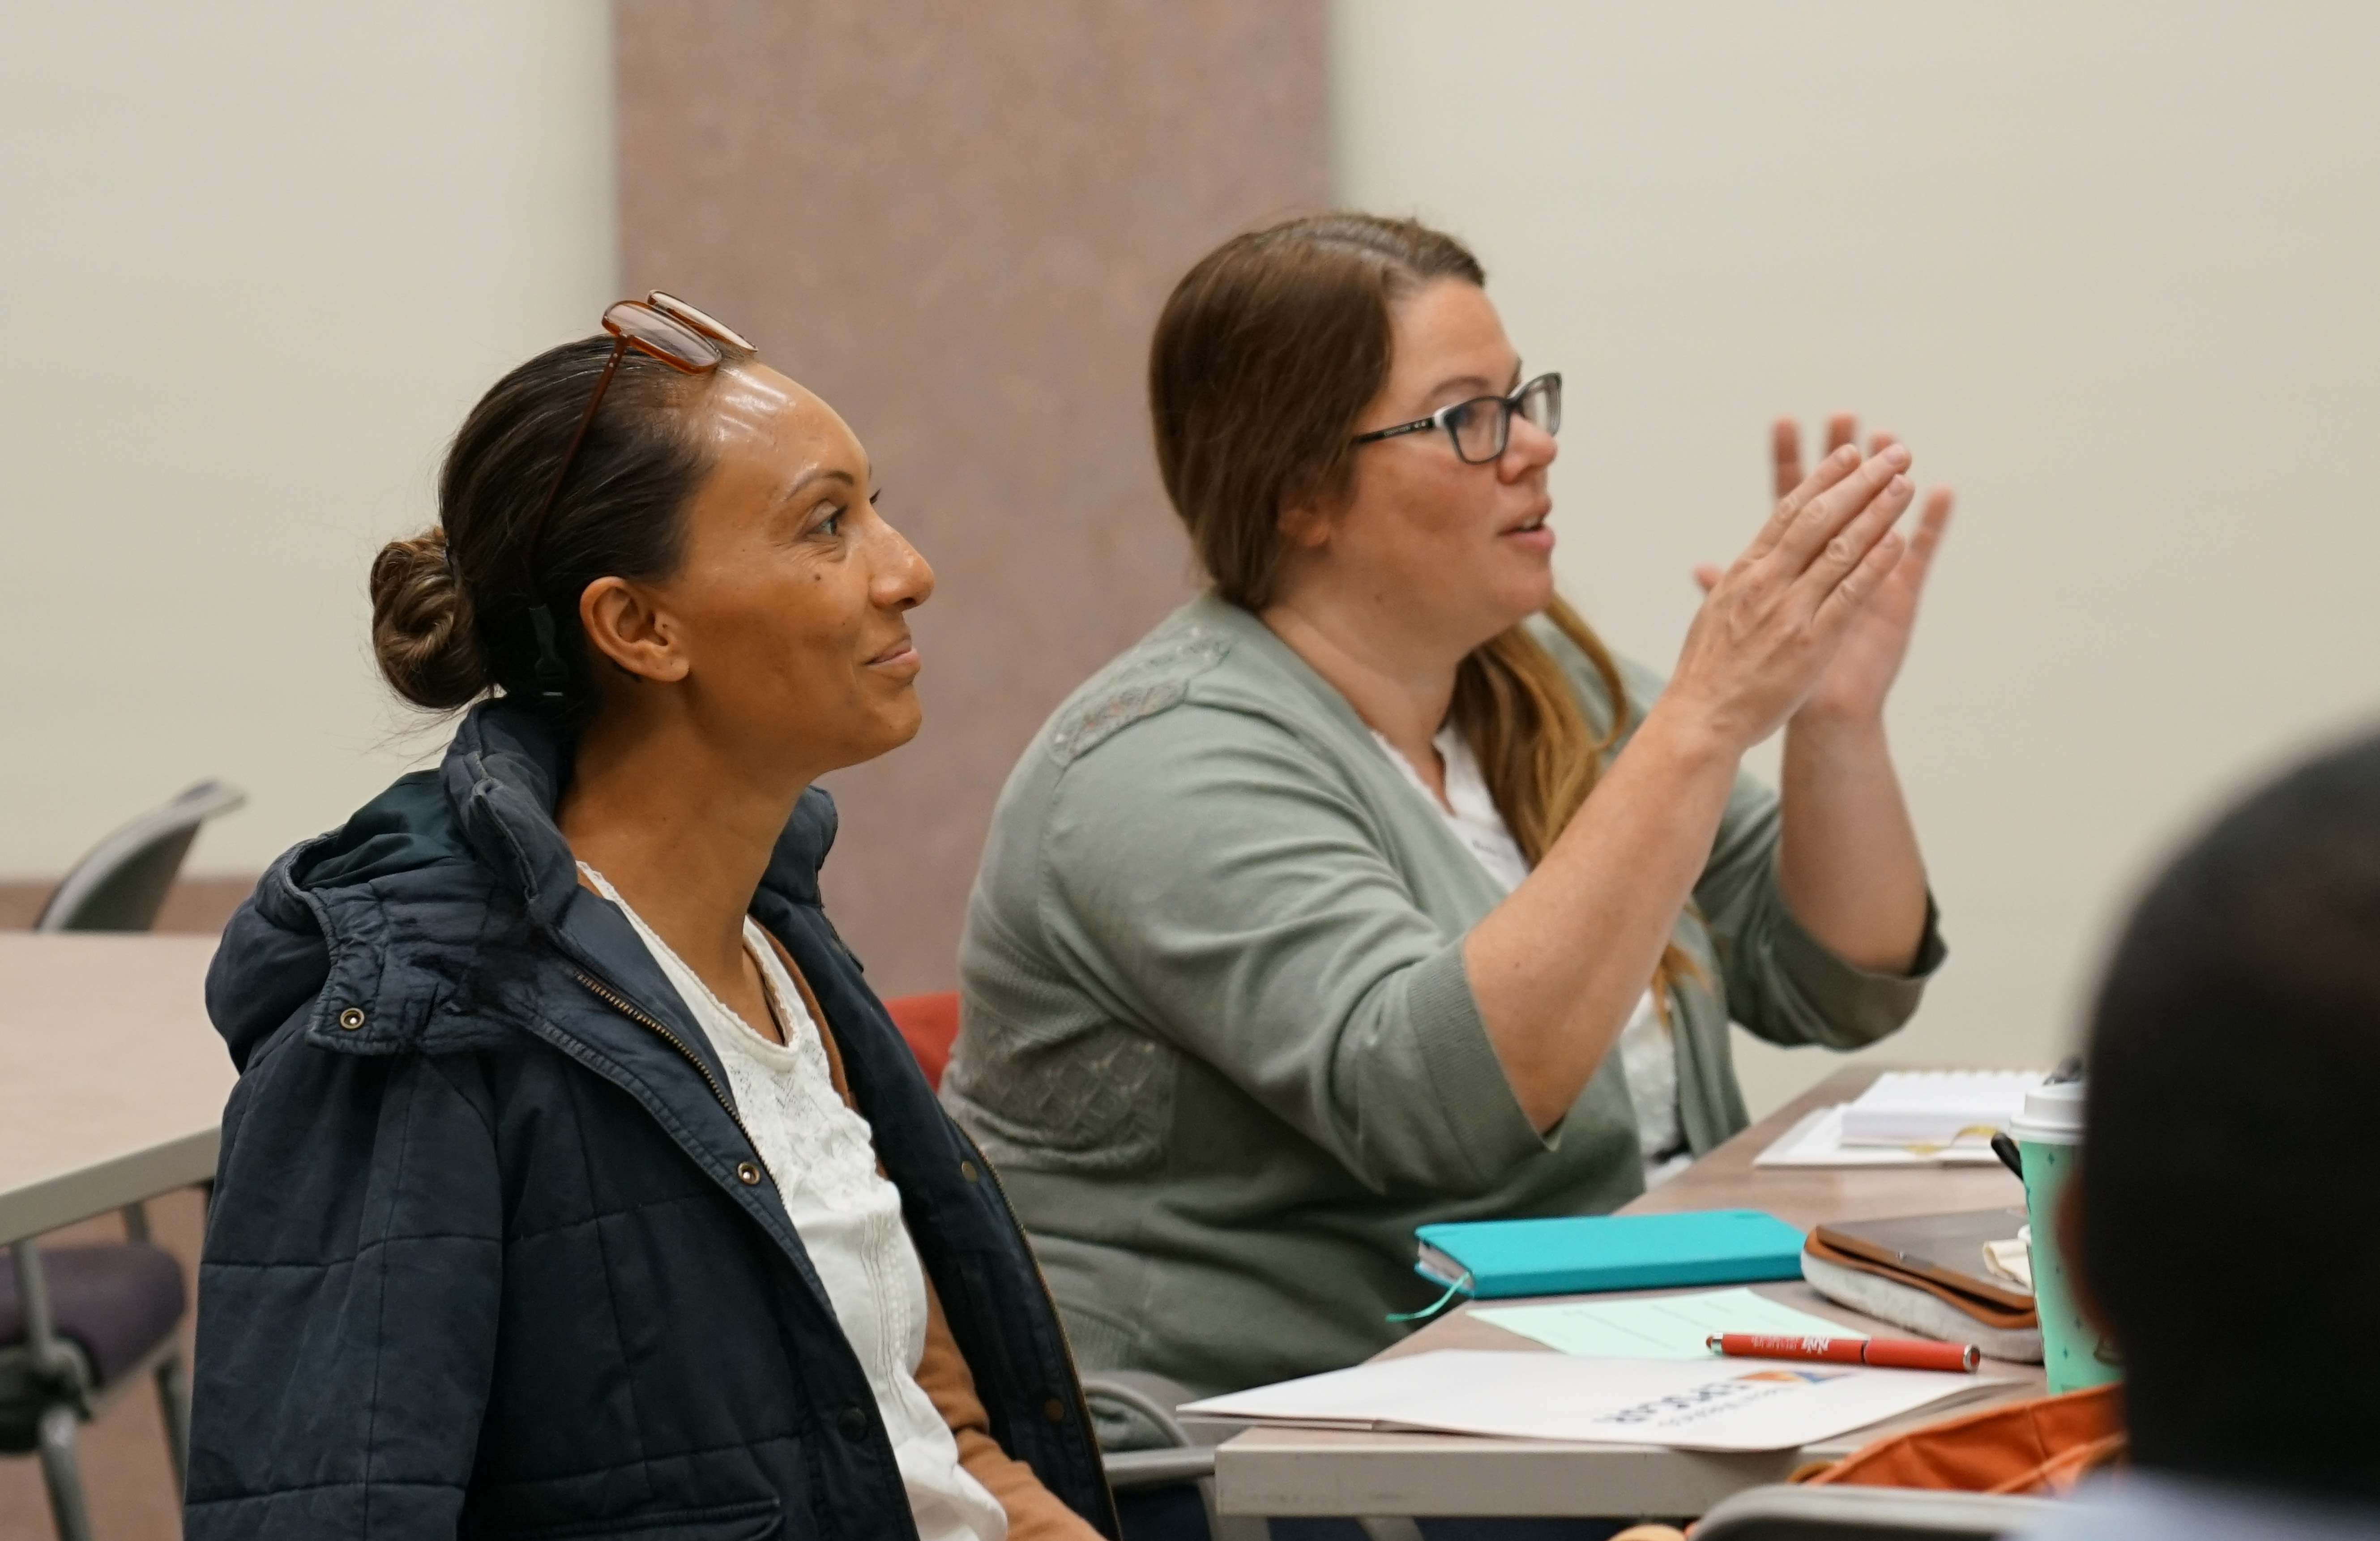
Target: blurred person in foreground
x,y
1370,889
576,1184
2226,1213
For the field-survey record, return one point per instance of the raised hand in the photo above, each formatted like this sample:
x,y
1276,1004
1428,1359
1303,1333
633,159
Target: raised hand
x,y
1775,622
1855,682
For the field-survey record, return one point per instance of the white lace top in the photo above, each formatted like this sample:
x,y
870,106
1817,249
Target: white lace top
x,y
824,1160
1647,1054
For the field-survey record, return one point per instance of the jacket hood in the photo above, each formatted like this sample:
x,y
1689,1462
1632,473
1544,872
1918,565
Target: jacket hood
x,y
397,904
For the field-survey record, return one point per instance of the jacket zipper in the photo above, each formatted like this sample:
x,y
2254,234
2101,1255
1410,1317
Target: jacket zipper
x,y
1065,1346
621,1004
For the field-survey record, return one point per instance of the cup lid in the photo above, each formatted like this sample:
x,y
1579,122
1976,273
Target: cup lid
x,y
2053,1114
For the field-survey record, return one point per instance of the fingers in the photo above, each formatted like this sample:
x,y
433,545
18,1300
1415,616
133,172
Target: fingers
x,y
1707,574
1881,440
1785,453
1785,445
1855,541
1842,463
1823,517
1933,520
1840,604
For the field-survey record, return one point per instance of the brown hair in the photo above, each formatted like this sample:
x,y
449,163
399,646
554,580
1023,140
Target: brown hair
x,y
1264,359
450,606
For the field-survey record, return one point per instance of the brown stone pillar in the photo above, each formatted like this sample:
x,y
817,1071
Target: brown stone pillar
x,y
956,221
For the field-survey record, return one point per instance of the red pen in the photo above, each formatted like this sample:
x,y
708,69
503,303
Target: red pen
x,y
1894,1353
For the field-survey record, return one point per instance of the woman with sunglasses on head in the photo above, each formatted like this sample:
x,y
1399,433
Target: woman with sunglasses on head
x,y
1370,889
575,1182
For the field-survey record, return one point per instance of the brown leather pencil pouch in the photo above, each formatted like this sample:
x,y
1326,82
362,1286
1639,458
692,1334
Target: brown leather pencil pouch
x,y
1989,1313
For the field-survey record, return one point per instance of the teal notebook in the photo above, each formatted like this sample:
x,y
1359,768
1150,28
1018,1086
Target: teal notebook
x,y
1581,1254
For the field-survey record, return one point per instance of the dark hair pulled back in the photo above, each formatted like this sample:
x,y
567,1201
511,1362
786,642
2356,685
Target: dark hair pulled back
x,y
450,606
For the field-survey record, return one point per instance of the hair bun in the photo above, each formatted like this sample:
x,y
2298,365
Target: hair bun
x,y
421,631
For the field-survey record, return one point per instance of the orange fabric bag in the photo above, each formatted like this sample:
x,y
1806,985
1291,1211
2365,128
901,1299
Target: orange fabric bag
x,y
2042,1446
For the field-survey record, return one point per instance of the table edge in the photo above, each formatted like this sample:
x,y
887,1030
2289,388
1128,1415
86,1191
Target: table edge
x,y
48,1203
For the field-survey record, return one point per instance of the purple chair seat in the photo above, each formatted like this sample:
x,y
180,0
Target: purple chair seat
x,y
115,1302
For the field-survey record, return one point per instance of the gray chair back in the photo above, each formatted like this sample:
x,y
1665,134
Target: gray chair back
x,y
122,883
1789,1514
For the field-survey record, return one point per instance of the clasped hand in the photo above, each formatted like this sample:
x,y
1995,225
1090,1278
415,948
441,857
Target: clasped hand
x,y
1813,621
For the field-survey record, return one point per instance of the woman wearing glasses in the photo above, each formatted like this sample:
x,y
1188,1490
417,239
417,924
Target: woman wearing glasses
x,y
1370,889
576,1184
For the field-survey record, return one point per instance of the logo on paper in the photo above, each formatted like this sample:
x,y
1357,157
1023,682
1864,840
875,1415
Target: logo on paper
x,y
1810,1377
1715,1397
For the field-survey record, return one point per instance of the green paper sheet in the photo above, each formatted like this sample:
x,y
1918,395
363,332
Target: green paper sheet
x,y
1668,1326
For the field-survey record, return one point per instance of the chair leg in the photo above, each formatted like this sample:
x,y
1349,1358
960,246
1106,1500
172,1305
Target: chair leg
x,y
63,1476
173,1401
1390,1529
1232,1527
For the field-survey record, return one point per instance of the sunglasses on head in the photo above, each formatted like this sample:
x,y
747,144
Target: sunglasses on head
x,y
659,326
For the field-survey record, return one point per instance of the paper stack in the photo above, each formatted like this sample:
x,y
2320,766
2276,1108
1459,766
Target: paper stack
x,y
1936,1106
1818,1141
1718,1404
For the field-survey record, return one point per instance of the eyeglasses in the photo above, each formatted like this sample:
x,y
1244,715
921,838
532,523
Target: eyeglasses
x,y
1482,427
659,326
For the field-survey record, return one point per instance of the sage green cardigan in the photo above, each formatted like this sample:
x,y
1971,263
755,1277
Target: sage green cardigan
x,y
1217,1036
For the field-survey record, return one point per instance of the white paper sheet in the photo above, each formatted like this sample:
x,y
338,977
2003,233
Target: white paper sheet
x,y
1818,1141
1718,1404
1933,1106
1664,1327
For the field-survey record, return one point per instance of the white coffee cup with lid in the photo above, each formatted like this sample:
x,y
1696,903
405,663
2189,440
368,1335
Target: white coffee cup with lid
x,y
2053,1115
2048,1135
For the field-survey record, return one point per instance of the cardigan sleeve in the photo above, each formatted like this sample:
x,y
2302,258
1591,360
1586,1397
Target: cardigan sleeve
x,y
1778,981
1256,923
1781,983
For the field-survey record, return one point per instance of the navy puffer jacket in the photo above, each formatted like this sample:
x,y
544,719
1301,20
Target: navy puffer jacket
x,y
489,1255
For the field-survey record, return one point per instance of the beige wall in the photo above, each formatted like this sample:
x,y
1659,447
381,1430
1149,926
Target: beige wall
x,y
2114,268
2111,267
258,259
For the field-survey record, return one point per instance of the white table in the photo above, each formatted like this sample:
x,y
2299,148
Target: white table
x,y
112,1080
1291,1472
